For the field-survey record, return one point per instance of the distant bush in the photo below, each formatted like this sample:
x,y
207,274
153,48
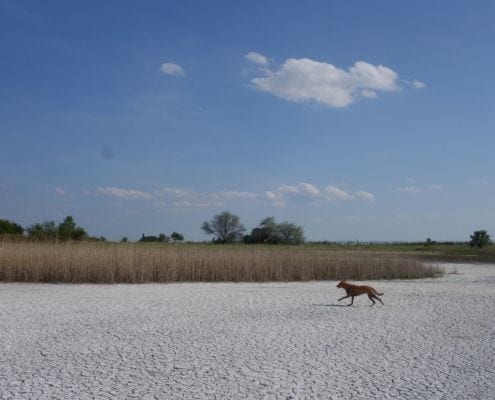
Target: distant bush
x,y
161,238
177,237
271,232
480,239
48,230
10,228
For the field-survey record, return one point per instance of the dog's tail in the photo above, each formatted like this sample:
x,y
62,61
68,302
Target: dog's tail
x,y
379,294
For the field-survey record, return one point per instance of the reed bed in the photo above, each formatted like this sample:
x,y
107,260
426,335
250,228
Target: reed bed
x,y
88,262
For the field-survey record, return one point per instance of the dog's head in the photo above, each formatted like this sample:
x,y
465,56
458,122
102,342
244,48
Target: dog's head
x,y
341,283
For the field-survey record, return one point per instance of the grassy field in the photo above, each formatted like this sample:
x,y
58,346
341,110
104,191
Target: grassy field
x,y
440,252
96,262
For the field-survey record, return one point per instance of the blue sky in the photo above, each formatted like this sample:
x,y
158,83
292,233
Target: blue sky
x,y
356,120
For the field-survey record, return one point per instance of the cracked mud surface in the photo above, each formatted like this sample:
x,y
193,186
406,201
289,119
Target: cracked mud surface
x,y
433,339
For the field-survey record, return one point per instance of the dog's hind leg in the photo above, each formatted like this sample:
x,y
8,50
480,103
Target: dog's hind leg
x,y
371,298
380,300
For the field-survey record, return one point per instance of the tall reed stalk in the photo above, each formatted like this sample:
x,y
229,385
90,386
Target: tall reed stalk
x,y
88,262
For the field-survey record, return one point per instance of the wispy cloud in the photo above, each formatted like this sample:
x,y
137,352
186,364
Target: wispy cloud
x,y
365,195
417,216
310,192
334,193
178,197
257,58
435,187
60,191
123,193
283,192
477,181
418,84
171,68
186,198
303,79
410,189
14,8
413,189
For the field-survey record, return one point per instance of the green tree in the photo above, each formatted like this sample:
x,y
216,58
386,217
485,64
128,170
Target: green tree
x,y
163,238
124,239
10,228
225,227
269,231
266,232
68,230
43,231
290,233
177,237
480,239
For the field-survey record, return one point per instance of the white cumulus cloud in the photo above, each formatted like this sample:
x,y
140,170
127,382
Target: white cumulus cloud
x,y
172,69
302,80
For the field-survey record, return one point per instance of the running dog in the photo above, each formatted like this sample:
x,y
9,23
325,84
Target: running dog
x,y
357,290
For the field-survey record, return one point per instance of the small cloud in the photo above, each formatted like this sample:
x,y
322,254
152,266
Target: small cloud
x,y
123,193
172,69
369,93
419,216
334,193
410,189
435,187
413,189
353,218
365,195
309,192
256,58
86,192
60,191
477,182
232,194
418,84
275,198
288,189
309,189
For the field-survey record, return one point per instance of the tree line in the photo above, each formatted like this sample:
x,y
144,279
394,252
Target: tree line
x,y
48,230
227,228
224,227
69,230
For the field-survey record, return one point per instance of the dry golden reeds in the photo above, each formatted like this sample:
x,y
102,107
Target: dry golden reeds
x,y
87,262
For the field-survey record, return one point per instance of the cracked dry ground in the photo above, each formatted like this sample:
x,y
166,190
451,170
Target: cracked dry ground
x,y
434,339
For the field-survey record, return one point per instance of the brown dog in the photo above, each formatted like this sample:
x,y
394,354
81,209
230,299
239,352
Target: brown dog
x,y
357,290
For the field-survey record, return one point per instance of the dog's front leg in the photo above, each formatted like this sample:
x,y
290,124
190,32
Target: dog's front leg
x,y
345,297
